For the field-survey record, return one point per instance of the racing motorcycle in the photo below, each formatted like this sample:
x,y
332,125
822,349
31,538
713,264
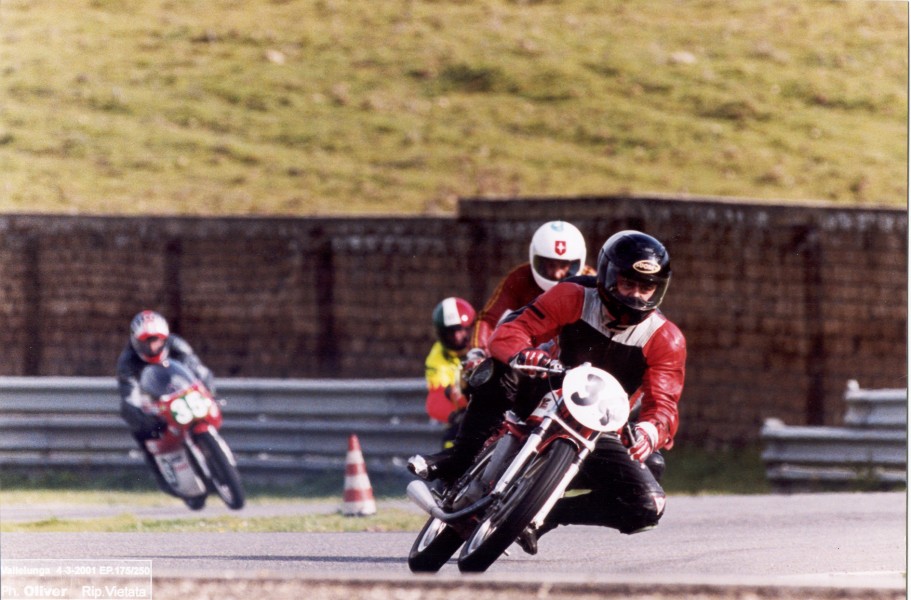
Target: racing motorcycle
x,y
192,457
520,473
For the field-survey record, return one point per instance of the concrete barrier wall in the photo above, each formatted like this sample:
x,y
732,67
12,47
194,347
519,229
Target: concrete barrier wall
x,y
781,304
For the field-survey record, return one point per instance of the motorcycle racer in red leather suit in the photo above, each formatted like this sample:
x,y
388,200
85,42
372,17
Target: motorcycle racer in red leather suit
x,y
612,321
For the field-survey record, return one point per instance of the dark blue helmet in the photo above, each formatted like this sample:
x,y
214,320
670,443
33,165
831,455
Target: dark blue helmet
x,y
637,257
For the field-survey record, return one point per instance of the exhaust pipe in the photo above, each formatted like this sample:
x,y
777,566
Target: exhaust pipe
x,y
421,495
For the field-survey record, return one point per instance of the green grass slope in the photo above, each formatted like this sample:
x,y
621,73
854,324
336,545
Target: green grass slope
x,y
333,107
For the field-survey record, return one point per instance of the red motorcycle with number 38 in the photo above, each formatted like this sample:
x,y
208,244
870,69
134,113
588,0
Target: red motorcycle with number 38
x,y
193,458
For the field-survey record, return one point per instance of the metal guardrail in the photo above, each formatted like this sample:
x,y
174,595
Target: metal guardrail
x,y
281,428
276,428
871,449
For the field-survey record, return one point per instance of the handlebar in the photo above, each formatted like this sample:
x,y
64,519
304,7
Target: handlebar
x,y
554,368
631,432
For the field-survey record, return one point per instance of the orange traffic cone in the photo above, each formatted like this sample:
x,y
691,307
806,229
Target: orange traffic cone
x,y
358,499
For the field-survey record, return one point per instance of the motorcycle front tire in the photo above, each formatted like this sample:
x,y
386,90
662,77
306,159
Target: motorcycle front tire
x,y
225,478
433,547
520,504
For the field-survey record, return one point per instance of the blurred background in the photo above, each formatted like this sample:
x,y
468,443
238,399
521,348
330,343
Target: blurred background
x,y
296,184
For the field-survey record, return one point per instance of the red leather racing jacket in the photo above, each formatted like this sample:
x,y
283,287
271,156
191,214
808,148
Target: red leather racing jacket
x,y
647,359
515,290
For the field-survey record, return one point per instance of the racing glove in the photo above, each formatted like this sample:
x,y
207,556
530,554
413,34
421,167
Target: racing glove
x,y
454,394
644,442
534,357
472,359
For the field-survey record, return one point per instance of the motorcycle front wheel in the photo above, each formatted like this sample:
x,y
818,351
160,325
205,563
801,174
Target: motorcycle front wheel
x,y
225,478
433,547
520,503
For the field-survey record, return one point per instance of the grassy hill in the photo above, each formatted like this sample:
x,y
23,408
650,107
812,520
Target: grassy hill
x,y
400,106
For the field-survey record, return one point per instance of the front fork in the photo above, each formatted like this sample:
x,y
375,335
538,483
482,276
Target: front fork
x,y
571,472
529,449
199,458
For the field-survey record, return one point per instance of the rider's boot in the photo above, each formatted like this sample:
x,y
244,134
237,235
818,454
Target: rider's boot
x,y
528,539
425,467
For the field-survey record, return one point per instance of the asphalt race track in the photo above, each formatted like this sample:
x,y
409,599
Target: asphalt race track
x,y
784,546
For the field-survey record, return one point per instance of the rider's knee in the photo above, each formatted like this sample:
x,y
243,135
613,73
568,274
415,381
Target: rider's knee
x,y
645,515
656,464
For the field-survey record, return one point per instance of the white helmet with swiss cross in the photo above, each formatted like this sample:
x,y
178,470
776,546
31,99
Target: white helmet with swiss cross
x,y
557,251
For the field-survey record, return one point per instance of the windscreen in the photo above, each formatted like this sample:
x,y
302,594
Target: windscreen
x,y
165,379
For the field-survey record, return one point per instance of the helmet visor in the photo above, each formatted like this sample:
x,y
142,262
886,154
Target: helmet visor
x,y
555,269
455,338
635,290
150,346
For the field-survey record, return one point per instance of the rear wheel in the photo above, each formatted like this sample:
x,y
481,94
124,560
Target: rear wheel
x,y
196,502
438,541
520,504
225,478
434,546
